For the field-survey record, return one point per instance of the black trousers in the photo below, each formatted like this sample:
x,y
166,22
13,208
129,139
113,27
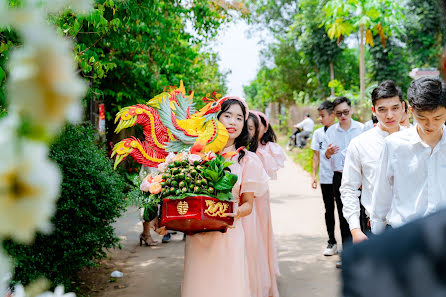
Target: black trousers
x,y
345,229
329,203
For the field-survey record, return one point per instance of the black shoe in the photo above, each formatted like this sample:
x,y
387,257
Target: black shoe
x,y
339,264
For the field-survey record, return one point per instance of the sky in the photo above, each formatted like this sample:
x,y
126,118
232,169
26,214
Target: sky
x,y
238,53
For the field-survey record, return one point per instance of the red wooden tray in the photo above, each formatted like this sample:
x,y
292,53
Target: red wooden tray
x,y
196,214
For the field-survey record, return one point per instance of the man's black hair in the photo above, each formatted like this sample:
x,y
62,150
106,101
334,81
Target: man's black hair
x,y
326,105
386,89
340,100
406,106
427,94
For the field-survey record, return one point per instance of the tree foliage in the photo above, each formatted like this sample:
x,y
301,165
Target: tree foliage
x,y
400,37
130,51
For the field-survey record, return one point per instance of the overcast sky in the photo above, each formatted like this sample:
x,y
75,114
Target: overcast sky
x,y
239,54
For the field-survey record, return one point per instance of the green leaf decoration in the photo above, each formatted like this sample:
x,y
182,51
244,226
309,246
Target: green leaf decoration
x,y
227,182
211,174
225,196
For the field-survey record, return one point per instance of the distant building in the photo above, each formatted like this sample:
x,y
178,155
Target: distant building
x,y
419,72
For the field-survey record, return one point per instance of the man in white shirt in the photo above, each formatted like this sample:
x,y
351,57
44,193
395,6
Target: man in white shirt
x,y
319,143
364,155
307,126
339,136
410,183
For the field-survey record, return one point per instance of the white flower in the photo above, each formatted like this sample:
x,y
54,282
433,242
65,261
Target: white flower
x,y
58,292
5,274
19,291
43,84
145,185
170,157
163,166
193,158
29,186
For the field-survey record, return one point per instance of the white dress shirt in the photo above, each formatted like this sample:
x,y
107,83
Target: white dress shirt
x,y
307,125
340,137
410,183
368,125
361,167
319,143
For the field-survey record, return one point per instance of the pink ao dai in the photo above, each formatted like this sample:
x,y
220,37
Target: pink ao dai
x,y
273,158
215,263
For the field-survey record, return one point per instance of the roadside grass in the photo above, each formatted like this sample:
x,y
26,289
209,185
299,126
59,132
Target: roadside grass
x,y
303,157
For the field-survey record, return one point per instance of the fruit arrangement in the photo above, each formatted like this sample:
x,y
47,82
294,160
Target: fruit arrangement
x,y
188,175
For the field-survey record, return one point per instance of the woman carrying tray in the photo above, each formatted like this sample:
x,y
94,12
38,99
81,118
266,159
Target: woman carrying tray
x,y
215,263
273,158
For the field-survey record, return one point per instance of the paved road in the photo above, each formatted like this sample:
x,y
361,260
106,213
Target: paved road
x,y
298,222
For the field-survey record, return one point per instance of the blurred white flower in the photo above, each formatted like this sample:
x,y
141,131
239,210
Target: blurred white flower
x,y
193,158
43,84
29,186
19,291
58,292
5,274
163,166
170,157
145,185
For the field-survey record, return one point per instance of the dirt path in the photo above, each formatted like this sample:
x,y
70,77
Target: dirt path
x,y
298,222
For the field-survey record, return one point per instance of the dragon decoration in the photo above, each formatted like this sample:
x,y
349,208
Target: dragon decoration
x,y
170,123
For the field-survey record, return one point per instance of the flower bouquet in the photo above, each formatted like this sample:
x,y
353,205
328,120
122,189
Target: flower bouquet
x,y
194,191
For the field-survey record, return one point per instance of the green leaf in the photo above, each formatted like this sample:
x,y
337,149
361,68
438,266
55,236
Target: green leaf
x,y
224,196
211,174
227,182
2,74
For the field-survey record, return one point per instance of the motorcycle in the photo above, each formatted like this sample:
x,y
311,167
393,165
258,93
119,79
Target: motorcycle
x,y
296,141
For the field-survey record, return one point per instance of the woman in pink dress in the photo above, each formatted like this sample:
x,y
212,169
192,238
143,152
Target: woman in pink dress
x,y
273,158
215,263
258,266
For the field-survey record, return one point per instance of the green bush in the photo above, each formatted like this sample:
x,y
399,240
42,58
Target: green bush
x,y
91,200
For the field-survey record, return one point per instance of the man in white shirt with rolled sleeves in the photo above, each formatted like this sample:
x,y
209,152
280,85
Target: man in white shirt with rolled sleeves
x,y
411,180
339,136
363,158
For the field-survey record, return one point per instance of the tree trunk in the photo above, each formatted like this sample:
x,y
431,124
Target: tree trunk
x,y
362,65
332,78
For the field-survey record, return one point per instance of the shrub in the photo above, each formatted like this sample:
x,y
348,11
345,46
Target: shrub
x,y
91,200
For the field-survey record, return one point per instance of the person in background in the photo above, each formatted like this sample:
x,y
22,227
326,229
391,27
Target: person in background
x,y
319,143
363,156
370,124
339,136
405,119
413,163
306,127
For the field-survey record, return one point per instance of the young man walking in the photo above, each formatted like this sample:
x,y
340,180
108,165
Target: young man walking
x,y
339,136
410,182
363,158
319,143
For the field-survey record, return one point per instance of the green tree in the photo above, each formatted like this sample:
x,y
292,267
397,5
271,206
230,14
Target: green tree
x,y
425,27
367,17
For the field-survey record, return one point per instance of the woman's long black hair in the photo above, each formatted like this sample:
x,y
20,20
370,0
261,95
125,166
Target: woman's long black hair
x,y
254,142
243,138
269,135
